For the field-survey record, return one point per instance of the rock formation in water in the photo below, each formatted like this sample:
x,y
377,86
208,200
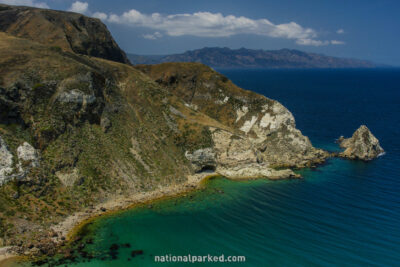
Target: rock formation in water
x,y
362,145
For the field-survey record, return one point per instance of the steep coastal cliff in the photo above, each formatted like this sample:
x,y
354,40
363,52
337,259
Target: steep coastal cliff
x,y
262,134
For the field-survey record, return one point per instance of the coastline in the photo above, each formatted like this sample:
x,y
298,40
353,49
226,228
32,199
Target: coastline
x,y
69,228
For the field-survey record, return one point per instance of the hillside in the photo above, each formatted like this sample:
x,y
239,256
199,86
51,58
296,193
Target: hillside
x,y
66,30
248,58
79,131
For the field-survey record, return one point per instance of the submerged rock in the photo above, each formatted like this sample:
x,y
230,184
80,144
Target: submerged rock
x,y
362,145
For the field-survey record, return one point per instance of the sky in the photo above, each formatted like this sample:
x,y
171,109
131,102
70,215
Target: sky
x,y
363,29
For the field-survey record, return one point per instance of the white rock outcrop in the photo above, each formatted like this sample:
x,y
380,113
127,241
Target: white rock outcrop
x,y
68,179
256,171
27,156
271,118
241,112
76,96
248,125
6,162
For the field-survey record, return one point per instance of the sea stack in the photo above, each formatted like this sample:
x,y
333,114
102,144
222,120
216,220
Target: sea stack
x,y
362,145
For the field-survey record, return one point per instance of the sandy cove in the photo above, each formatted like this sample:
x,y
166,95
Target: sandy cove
x,y
71,225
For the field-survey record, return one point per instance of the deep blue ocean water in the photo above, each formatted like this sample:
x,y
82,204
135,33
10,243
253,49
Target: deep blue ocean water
x,y
344,213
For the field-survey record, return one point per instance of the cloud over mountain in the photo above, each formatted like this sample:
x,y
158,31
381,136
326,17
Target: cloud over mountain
x,y
207,24
79,7
199,24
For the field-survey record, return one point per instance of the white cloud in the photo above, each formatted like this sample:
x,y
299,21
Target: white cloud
x,y
79,7
100,15
207,24
336,42
340,31
311,42
24,3
152,36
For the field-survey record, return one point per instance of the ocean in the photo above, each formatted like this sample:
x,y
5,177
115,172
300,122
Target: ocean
x,y
343,213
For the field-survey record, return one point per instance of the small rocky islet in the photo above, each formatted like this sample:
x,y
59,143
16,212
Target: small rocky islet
x,y
79,125
362,145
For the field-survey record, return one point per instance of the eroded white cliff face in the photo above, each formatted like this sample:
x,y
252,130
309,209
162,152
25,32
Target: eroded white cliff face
x,y
6,162
266,139
231,149
202,159
27,156
248,125
272,117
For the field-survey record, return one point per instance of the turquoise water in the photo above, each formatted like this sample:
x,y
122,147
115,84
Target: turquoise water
x,y
344,213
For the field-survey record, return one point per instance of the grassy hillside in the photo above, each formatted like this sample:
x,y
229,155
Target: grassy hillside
x,y
131,138
69,31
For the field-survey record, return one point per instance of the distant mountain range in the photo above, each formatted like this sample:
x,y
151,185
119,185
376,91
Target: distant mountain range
x,y
249,58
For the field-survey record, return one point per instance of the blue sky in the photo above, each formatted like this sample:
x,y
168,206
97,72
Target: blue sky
x,y
365,29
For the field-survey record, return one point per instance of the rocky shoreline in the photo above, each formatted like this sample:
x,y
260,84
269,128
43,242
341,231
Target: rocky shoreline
x,y
67,230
